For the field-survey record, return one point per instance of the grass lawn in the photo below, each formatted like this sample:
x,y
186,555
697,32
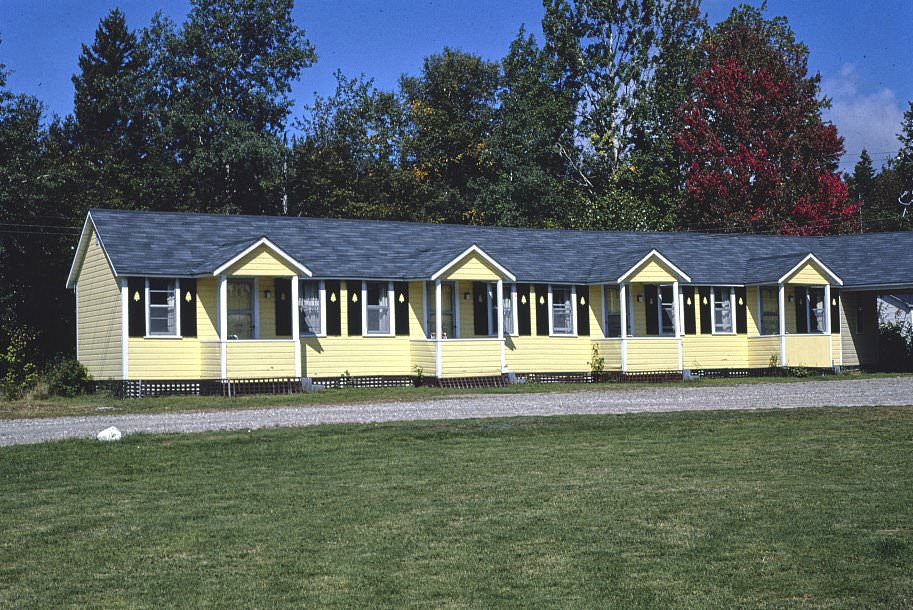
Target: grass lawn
x,y
102,404
808,508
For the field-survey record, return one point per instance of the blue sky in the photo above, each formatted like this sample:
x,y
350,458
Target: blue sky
x,y
862,48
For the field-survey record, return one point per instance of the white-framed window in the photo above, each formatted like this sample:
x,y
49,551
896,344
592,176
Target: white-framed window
x,y
449,310
666,309
723,306
815,310
612,300
561,303
311,310
162,311
378,298
241,308
769,306
508,309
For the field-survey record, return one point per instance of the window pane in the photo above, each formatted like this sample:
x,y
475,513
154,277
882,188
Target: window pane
x,y
722,314
240,309
613,325
508,313
378,308
447,296
770,316
667,312
817,323
162,310
562,313
309,307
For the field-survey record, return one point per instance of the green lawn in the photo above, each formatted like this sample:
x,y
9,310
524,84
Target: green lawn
x,y
808,508
103,404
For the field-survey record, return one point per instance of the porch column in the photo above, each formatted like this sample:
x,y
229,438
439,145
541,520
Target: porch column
x,y
124,328
500,297
828,322
676,323
296,325
781,298
622,303
223,325
438,329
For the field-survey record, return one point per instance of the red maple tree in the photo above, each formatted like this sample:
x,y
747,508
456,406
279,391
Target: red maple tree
x,y
759,156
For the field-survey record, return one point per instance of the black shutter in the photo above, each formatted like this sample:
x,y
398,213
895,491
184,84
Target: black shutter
x,y
541,309
523,304
136,306
835,310
690,321
283,300
650,309
480,308
583,310
334,318
188,307
741,311
801,321
401,294
353,306
706,314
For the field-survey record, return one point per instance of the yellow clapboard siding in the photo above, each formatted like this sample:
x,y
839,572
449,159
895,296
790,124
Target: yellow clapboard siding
x,y
261,261
715,351
210,360
651,354
267,321
333,356
808,350
470,357
423,356
207,308
164,358
653,271
808,274
416,310
538,354
610,351
472,267
252,359
98,315
760,351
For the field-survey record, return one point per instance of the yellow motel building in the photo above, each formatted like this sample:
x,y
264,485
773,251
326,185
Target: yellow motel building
x,y
170,297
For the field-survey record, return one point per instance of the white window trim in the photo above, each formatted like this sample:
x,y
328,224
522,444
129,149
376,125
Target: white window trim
x,y
491,289
177,311
659,310
714,331
428,307
761,312
551,312
322,296
391,310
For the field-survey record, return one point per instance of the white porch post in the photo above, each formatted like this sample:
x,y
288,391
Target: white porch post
x,y
622,303
438,329
676,322
500,310
124,328
828,322
223,325
781,298
296,324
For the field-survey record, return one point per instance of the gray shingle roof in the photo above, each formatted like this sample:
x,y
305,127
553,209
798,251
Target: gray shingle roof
x,y
182,244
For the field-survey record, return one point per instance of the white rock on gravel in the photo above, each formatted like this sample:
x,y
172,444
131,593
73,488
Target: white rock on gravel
x,y
109,434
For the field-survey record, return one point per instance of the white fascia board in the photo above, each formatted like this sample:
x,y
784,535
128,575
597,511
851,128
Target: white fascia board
x,y
476,250
654,254
82,247
811,257
263,242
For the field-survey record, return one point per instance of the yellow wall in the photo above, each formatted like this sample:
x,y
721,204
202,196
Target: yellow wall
x,y
98,315
760,349
252,359
808,350
423,356
472,267
164,358
207,308
467,357
715,351
653,271
860,346
467,321
262,261
652,354
809,274
416,310
610,349
210,360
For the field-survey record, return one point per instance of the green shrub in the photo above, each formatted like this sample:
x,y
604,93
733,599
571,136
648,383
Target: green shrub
x,y
18,374
67,378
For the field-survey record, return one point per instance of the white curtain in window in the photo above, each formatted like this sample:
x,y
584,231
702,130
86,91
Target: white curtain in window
x,y
562,313
309,307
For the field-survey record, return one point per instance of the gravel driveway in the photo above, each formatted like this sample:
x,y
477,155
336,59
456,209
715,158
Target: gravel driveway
x,y
660,398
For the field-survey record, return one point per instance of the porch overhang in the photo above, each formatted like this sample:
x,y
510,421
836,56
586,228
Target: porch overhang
x,y
273,248
474,250
654,255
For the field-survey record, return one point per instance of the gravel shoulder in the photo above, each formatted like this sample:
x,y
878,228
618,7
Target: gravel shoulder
x,y
888,391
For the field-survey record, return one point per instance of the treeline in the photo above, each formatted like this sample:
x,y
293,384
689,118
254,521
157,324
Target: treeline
x,y
627,114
